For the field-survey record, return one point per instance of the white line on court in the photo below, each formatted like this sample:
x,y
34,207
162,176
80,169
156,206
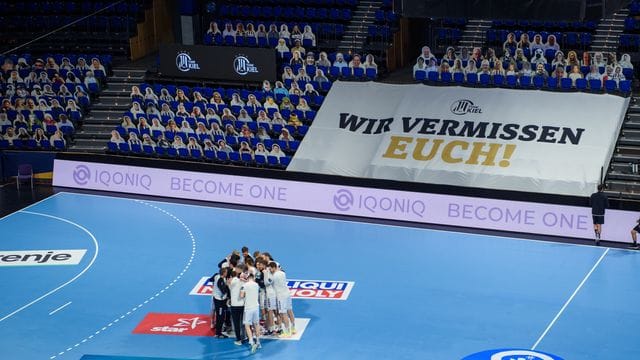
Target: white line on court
x,y
95,255
60,308
570,299
193,253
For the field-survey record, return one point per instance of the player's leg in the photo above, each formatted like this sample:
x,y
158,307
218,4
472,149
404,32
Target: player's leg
x,y
220,306
634,236
284,318
236,318
291,317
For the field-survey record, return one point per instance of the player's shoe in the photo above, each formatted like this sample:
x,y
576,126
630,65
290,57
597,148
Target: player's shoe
x,y
222,336
254,347
634,246
293,331
239,343
259,345
285,335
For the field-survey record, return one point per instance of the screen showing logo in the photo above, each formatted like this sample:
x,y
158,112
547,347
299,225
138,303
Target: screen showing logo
x,y
41,257
184,62
300,289
464,106
243,66
512,354
175,324
81,174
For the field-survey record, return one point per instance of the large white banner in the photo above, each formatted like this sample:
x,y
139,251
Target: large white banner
x,y
535,141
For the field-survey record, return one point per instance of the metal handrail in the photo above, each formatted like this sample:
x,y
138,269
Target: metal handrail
x,y
62,27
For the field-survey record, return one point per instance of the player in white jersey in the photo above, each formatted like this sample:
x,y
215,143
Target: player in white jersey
x,y
283,298
250,293
268,303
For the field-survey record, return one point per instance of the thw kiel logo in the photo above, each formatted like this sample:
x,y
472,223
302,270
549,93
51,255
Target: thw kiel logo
x,y
243,66
184,62
463,106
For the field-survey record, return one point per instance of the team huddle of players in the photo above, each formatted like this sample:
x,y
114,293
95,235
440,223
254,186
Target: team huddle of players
x,y
250,291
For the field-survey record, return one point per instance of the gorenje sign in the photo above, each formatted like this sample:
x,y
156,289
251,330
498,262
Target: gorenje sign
x,y
227,63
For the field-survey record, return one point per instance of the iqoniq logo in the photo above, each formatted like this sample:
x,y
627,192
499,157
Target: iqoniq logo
x,y
81,175
243,66
184,62
343,199
464,106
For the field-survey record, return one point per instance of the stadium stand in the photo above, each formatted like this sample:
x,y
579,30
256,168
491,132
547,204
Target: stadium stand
x,y
222,125
45,99
107,32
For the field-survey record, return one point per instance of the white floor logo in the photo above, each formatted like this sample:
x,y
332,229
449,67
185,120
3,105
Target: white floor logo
x,y
41,257
181,326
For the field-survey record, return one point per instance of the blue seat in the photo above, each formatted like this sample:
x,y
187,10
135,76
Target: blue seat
x,y
472,78
538,82
498,80
458,78
148,149
566,84
124,147
420,75
136,148
625,86
610,85
260,159
372,73
246,158
58,144
552,83
433,76
581,84
272,160
525,81
234,157
595,85
485,79
222,156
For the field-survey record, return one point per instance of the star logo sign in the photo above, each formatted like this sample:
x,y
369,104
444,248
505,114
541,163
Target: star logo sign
x,y
189,323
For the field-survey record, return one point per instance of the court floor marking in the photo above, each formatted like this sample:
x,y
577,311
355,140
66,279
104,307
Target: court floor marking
x,y
214,205
95,255
151,298
60,308
584,280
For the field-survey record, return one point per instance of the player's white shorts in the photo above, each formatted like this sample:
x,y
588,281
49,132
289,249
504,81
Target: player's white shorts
x,y
270,298
262,299
251,316
284,304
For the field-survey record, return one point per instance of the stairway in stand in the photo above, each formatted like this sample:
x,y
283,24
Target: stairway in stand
x,y
106,112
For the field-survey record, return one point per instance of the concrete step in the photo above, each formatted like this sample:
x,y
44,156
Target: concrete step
x,y
110,106
126,72
93,135
97,143
624,186
98,128
627,151
108,114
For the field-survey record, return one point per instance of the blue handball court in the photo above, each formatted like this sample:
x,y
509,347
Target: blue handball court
x,y
100,277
